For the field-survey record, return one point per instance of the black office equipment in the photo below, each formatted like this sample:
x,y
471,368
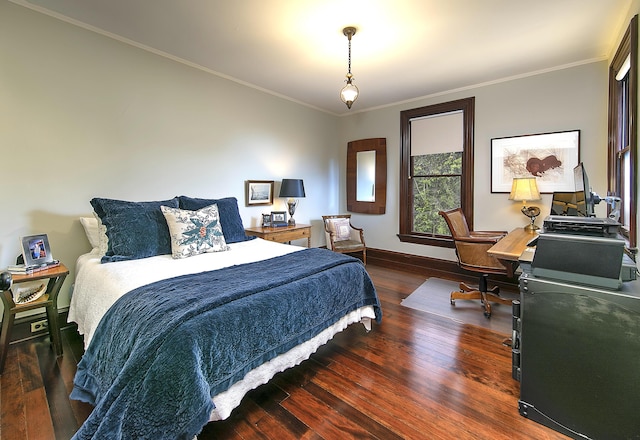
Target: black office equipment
x,y
583,259
576,352
576,332
602,227
585,201
564,203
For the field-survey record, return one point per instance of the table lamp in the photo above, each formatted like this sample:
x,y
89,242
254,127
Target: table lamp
x,y
292,188
523,189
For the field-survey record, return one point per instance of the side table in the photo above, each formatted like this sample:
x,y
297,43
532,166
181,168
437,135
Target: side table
x,y
56,276
282,234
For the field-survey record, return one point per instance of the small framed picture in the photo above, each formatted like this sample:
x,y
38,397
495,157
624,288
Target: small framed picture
x,y
266,220
259,192
278,218
35,250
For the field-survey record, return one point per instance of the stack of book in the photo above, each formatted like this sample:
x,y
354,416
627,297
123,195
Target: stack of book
x,y
21,269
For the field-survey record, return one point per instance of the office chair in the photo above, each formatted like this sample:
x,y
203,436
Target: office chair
x,y
471,250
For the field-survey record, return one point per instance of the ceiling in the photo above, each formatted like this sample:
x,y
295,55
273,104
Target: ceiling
x,y
403,49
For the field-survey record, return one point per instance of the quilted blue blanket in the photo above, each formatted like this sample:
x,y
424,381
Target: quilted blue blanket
x,y
162,350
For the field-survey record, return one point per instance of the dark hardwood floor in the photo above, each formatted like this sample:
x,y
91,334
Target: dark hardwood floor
x,y
415,376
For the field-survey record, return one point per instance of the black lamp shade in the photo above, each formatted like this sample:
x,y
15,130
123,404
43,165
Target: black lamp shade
x,y
292,188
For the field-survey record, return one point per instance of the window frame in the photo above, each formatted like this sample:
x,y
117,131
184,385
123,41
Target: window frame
x,y
467,106
624,127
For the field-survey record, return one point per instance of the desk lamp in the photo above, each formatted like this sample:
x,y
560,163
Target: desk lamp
x,y
523,189
292,188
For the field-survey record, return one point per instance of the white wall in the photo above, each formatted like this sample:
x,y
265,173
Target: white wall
x,y
83,116
567,99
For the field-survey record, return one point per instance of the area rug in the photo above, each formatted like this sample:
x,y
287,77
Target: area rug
x,y
433,297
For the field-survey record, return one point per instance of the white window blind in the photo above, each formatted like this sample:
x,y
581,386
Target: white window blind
x,y
437,134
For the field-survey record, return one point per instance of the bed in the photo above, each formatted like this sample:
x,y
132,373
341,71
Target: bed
x,y
175,336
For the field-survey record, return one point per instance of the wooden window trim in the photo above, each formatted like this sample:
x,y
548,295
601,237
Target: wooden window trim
x,y
628,46
467,106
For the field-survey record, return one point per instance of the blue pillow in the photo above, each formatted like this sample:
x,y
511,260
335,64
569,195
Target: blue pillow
x,y
135,229
230,219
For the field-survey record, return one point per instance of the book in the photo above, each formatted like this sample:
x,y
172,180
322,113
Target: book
x,y
17,268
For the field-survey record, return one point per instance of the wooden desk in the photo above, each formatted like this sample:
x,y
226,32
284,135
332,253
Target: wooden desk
x,y
55,276
282,234
509,249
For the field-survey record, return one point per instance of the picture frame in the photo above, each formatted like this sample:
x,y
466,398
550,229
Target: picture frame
x,y
259,192
36,250
550,157
278,218
266,220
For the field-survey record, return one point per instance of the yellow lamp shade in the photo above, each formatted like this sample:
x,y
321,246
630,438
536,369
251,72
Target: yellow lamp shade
x,y
524,188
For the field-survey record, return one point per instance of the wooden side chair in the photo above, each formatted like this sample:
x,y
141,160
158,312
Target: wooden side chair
x,y
343,237
471,250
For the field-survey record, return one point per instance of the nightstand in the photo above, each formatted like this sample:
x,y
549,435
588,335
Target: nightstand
x,y
49,301
282,234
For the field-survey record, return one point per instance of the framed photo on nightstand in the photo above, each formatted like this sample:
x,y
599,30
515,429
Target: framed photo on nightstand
x,y
36,251
278,218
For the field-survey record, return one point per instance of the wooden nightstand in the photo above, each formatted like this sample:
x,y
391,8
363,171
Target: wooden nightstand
x,y
282,234
49,301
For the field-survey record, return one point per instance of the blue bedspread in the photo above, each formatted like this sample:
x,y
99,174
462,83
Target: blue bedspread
x,y
162,350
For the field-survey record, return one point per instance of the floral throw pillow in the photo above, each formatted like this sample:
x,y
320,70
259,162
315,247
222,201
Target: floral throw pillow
x,y
194,232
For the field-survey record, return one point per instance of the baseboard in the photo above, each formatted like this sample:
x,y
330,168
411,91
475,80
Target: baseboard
x,y
432,267
21,330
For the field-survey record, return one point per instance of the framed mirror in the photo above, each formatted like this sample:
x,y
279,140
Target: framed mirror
x,y
367,176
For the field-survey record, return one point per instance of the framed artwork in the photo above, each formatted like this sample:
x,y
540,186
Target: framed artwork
x,y
266,220
550,157
36,250
278,218
259,192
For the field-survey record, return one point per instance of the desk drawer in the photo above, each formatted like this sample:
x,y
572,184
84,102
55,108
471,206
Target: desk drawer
x,y
288,235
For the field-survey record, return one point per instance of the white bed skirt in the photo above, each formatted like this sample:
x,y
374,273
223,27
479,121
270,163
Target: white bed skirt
x,y
226,401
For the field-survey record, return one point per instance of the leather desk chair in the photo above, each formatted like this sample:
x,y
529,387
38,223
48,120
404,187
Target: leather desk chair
x,y
471,250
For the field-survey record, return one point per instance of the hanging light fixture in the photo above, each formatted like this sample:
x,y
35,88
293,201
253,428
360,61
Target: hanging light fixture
x,y
349,93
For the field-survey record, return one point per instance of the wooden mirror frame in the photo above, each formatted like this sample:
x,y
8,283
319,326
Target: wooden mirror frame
x,y
379,205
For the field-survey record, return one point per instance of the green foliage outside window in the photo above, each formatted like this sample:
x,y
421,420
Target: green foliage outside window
x,y
437,180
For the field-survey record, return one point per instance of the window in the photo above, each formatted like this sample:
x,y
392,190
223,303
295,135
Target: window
x,y
436,169
622,153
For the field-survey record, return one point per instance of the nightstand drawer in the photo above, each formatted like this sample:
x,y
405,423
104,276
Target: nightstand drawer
x,y
282,234
288,235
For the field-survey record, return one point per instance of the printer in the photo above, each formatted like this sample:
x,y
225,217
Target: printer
x,y
584,250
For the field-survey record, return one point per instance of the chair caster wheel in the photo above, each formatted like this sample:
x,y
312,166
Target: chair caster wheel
x,y
453,302
487,315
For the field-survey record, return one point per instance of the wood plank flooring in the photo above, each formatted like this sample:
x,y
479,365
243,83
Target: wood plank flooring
x,y
415,376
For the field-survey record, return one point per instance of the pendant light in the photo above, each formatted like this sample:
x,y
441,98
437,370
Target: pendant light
x,y
349,93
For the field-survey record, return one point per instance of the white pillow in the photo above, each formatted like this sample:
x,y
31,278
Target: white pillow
x,y
90,225
103,238
194,232
341,229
